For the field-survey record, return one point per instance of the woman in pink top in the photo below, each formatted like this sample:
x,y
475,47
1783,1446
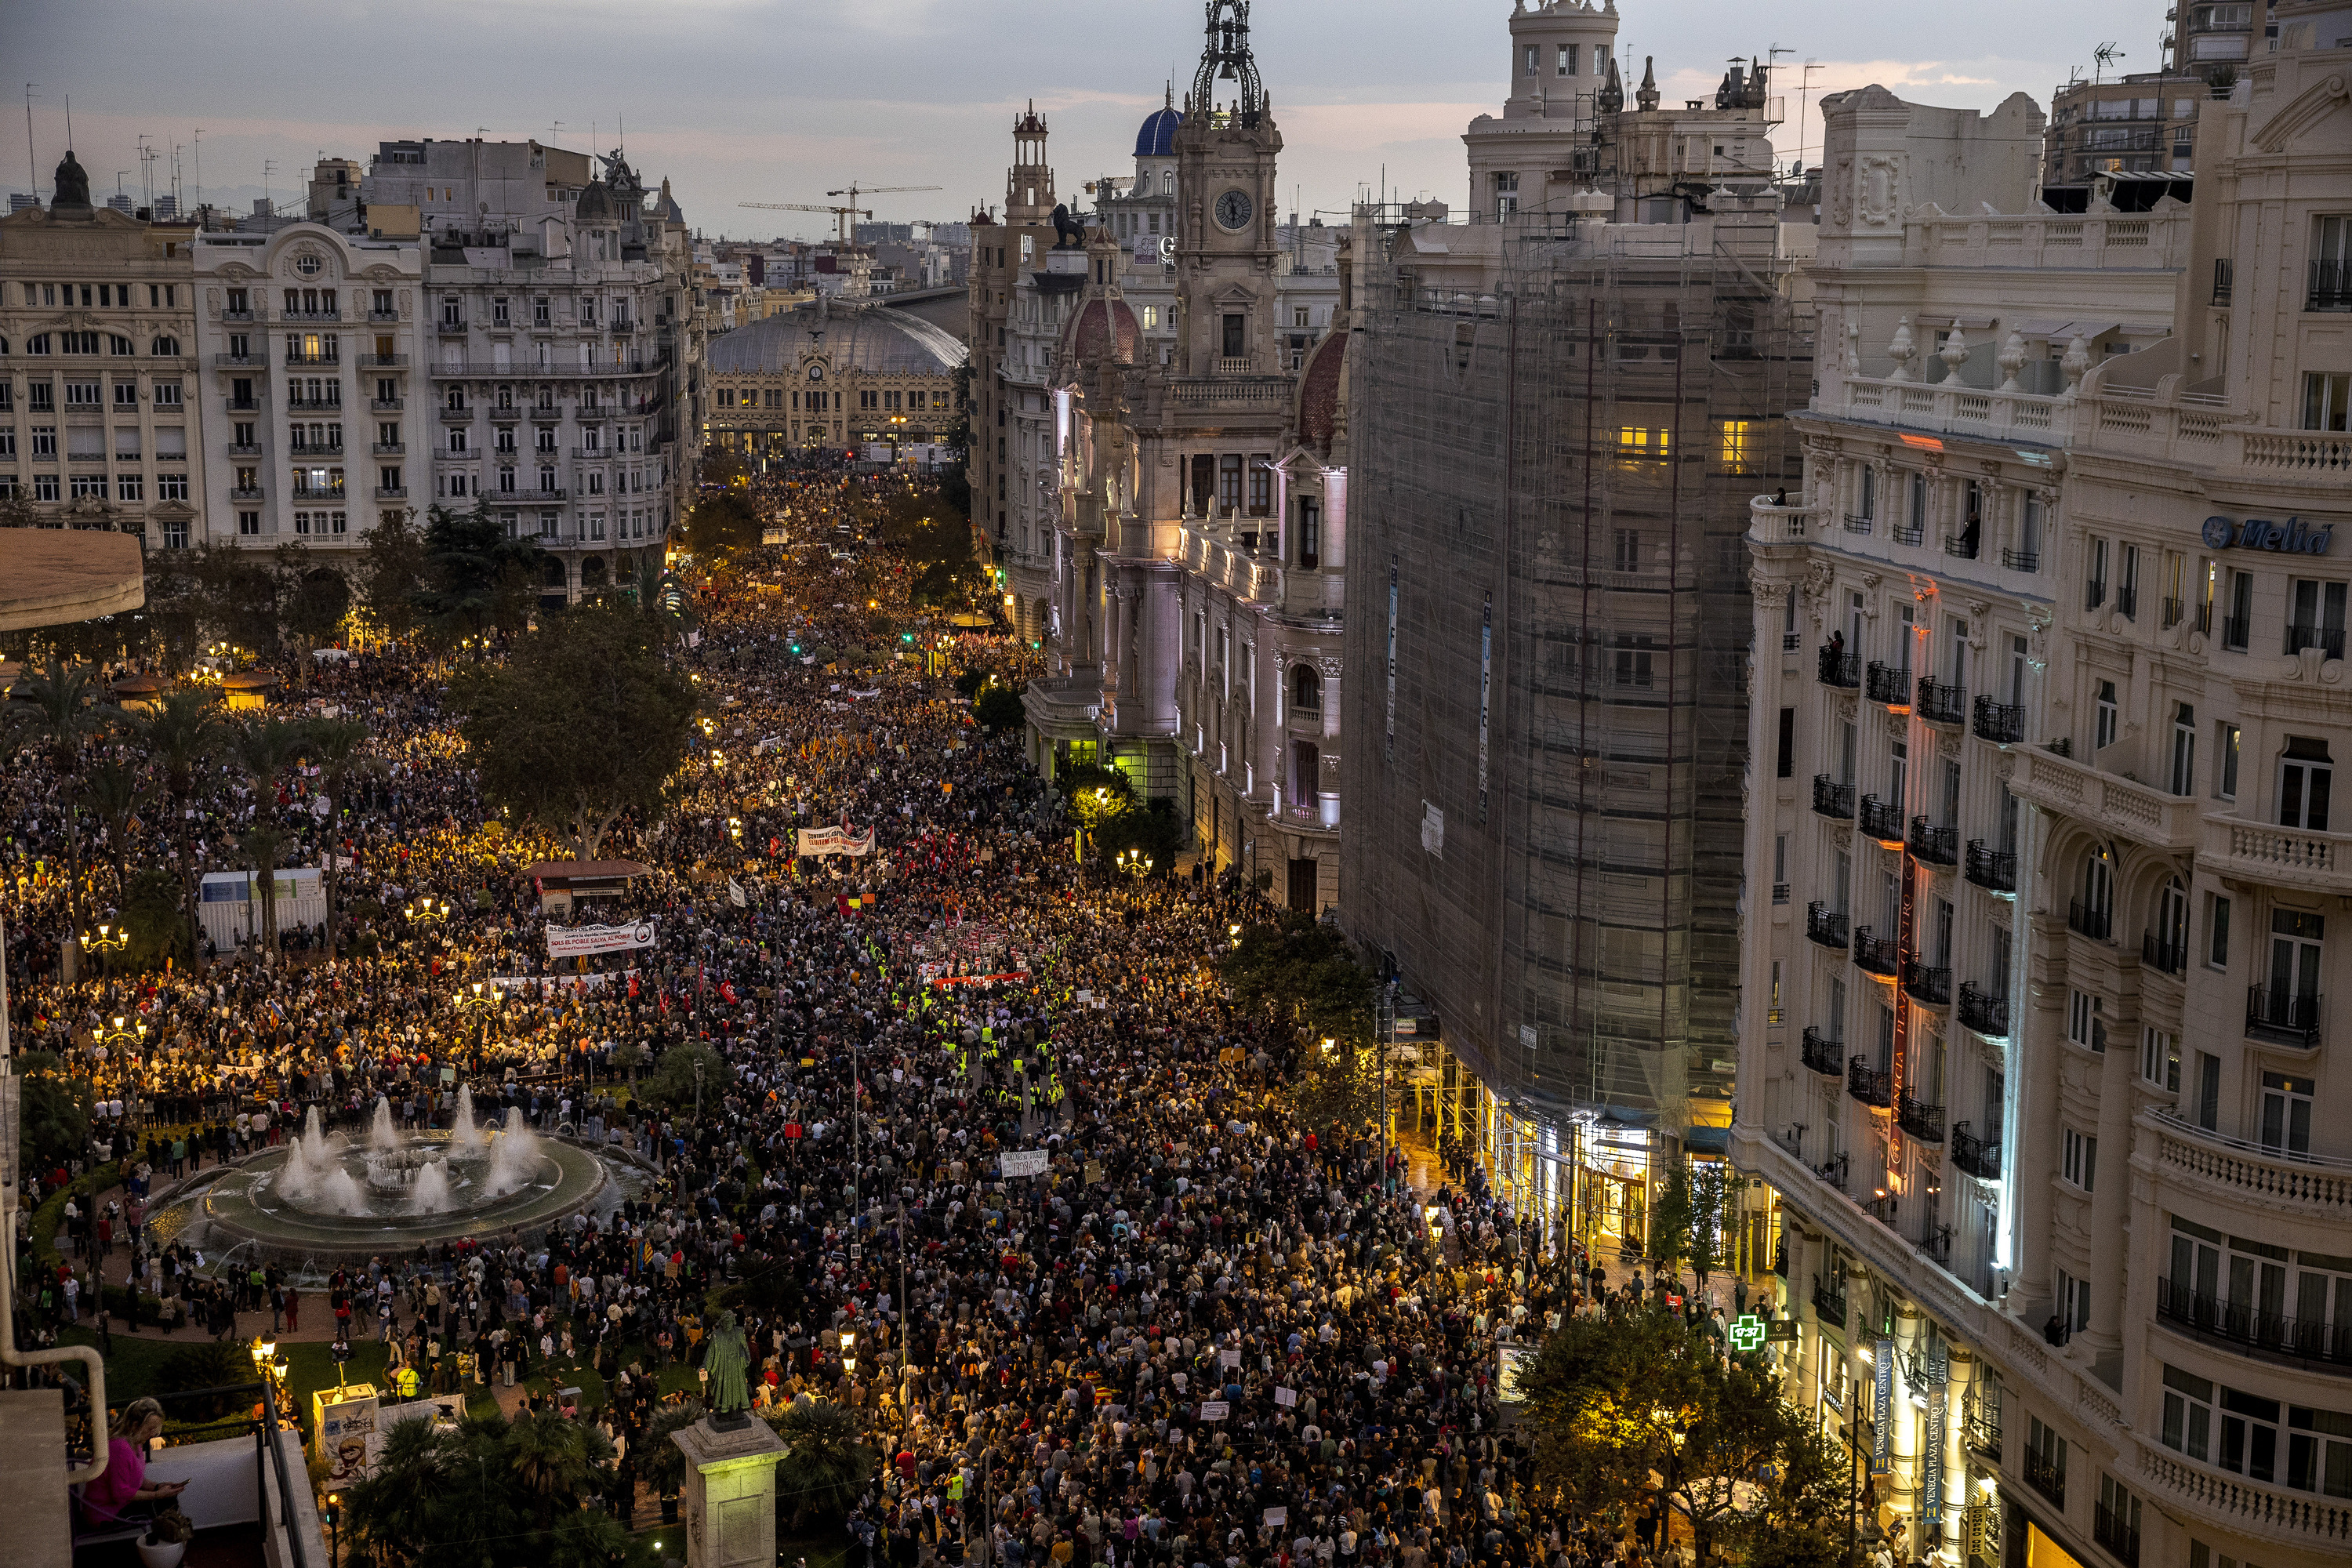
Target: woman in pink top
x,y
108,1498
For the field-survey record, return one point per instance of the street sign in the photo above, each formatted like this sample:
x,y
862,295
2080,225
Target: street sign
x,y
1780,1331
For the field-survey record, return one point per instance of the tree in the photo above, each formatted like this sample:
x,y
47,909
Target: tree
x,y
392,572
61,714
312,597
53,1124
491,1491
673,1081
475,576
179,736
825,1467
721,527
1303,971
1638,1405
585,722
115,795
999,707
336,744
154,914
262,846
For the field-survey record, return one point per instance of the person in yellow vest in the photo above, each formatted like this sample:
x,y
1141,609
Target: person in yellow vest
x,y
405,1380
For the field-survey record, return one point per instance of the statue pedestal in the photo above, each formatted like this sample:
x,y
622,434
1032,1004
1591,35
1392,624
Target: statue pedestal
x,y
730,1502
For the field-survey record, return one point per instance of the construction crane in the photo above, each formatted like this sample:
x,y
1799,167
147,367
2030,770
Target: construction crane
x,y
844,215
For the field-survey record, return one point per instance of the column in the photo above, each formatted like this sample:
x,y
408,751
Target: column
x,y
1950,1545
1907,1438
730,1506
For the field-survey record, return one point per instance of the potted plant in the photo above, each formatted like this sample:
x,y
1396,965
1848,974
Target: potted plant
x,y
167,1537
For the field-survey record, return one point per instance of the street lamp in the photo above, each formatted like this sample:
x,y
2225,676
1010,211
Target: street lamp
x,y
481,1000
334,1529
106,938
848,1350
425,911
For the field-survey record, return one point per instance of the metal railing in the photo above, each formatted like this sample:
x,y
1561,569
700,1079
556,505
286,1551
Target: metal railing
x,y
2331,287
2282,1016
2127,601
2242,1323
1879,955
1983,1011
1868,1084
2022,560
1979,1157
1829,1303
2235,630
1831,798
1823,1054
2094,593
1855,522
1922,1120
2171,957
1840,669
2047,1477
1881,820
2116,1536
1936,846
2091,921
1929,984
2330,640
2002,723
1834,1170
1825,925
1992,868
1940,703
1963,546
1888,683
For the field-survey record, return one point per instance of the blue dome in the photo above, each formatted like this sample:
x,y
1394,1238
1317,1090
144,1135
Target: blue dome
x,y
1157,137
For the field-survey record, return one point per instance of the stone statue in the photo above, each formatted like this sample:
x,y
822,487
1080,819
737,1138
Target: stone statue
x,y
1069,233
726,1360
72,183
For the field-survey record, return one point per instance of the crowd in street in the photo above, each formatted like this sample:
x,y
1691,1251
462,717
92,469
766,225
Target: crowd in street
x,y
1207,1334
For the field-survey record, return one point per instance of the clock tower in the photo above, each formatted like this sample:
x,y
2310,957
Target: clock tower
x,y
1226,254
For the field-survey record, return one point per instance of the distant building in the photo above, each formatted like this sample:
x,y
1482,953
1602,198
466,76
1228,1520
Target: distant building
x,y
829,373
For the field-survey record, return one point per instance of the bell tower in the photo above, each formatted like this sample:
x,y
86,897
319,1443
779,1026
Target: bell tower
x,y
1226,254
1029,183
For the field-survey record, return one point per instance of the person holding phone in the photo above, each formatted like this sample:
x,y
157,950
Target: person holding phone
x,y
116,1495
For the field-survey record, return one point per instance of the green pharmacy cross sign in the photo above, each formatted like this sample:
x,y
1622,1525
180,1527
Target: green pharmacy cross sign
x,y
1747,1333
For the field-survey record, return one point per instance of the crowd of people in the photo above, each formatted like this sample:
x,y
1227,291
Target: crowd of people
x,y
1205,1334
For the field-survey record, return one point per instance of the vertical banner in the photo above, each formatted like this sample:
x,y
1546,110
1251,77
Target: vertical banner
x,y
1485,688
1390,746
1939,1379
1882,1406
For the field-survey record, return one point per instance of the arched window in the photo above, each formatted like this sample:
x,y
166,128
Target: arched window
x,y
2167,939
4,348
38,344
1306,688
2093,913
165,348
119,345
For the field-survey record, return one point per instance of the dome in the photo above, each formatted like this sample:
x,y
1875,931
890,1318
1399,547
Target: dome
x,y
596,204
1318,392
1157,139
1089,335
875,339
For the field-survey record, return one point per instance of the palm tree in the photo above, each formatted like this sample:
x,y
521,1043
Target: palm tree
x,y
554,1458
115,795
825,1467
336,744
262,846
181,734
63,714
263,749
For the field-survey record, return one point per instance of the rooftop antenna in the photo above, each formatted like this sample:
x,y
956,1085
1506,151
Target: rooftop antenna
x,y
199,167
269,167
32,161
69,123
2103,57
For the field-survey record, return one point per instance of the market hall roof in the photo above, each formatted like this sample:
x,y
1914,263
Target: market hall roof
x,y
867,338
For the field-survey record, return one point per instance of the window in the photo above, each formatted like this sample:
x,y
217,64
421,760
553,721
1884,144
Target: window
x,y
91,486
1229,483
1787,761
2238,624
2086,1023
2225,761
45,487
1634,660
2315,617
1534,54
2159,1058
171,487
2104,734
2286,1113
1868,500
248,522
1733,447
129,487
2184,750
2045,1453
2094,592
2305,775
126,394
1261,484
1237,336
2326,396
2294,962
1310,532
1628,550
2073,1302
1306,688
2079,1159
2217,930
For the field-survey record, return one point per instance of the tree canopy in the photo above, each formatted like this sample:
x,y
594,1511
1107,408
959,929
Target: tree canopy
x,y
585,722
475,576
490,1491
722,526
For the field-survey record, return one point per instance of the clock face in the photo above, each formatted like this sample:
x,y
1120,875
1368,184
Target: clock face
x,y
816,373
1233,209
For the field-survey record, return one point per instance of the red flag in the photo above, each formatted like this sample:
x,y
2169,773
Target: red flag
x,y
633,987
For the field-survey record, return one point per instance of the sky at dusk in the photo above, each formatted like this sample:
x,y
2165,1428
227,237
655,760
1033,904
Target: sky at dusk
x,y
738,100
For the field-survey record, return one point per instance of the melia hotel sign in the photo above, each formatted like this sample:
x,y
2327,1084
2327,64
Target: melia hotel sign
x,y
2293,537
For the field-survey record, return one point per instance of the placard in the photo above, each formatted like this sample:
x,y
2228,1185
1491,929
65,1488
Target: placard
x,y
1229,1358
1022,1163
1288,1398
577,942
1212,1410
1276,1517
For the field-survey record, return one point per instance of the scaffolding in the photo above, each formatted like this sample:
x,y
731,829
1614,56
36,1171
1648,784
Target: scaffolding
x,y
1549,623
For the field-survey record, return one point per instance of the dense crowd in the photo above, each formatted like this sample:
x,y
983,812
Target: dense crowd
x,y
1207,1334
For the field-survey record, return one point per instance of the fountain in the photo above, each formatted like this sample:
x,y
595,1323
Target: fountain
x,y
376,1187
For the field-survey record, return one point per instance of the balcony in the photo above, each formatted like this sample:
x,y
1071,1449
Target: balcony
x,y
1937,1245
2048,1479
2127,601
623,326
1823,1054
1979,1157
1983,1011
1936,846
2242,1323
2328,640
383,315
2107,801
1963,546
1859,522
2331,287
1882,821
387,404
1825,926
1951,408
2093,920
244,492
2167,957
1922,1120
331,400
391,492
1829,1303
2235,630
382,362
1994,870
1832,799
1888,684
1839,669
1928,985
244,449
1907,533
1868,1084
1877,954
1942,703
2003,723
2171,613
317,449
450,329
389,448
2282,1016
315,362
2120,1539
1832,1170
1770,524
456,415
2020,560
2288,856
234,362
